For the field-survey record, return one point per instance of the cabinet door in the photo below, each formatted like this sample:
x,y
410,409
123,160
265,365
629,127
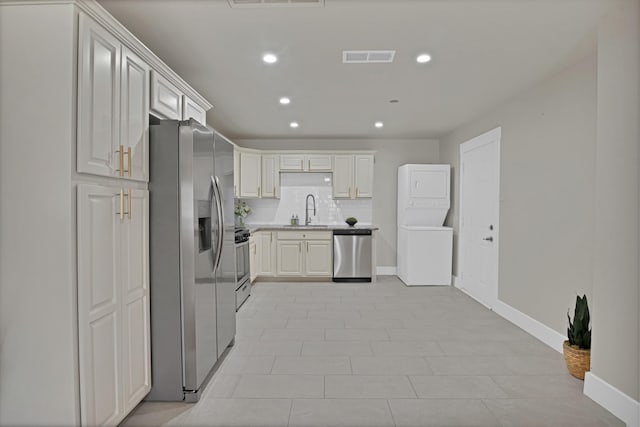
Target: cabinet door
x,y
342,176
98,99
253,259
292,162
99,300
134,258
363,176
318,258
267,254
166,99
134,115
236,173
250,175
319,163
270,176
192,110
289,258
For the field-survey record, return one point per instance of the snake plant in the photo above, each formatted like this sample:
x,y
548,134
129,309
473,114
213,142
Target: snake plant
x,y
578,332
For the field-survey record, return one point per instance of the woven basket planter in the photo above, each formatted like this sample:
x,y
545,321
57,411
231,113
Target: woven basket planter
x,y
578,360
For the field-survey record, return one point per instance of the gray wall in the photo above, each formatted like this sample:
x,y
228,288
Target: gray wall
x,y
389,155
546,191
615,304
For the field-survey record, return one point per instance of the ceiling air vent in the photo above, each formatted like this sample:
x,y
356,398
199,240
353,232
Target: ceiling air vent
x,y
367,56
275,3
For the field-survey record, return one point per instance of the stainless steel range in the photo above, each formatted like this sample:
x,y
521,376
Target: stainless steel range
x,y
243,284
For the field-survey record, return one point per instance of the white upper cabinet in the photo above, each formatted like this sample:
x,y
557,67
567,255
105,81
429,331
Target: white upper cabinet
x,y
319,163
134,116
166,99
292,162
113,107
250,174
305,162
236,173
353,176
270,182
192,110
98,99
343,176
363,175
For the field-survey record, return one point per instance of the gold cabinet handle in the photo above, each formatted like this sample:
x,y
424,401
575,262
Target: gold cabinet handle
x,y
121,212
120,152
259,192
302,164
274,191
299,247
349,192
129,161
356,192
129,197
307,246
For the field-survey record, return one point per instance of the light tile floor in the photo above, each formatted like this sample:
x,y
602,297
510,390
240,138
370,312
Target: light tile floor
x,y
325,354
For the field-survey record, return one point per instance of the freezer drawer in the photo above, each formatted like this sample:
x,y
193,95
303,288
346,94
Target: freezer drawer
x,y
352,255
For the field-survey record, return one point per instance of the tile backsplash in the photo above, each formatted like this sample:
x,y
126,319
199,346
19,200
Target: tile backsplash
x,y
294,188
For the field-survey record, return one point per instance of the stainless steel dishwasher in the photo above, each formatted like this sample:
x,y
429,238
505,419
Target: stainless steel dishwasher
x,y
352,255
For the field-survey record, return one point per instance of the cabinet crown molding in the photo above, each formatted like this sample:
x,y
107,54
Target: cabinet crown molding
x,y
102,16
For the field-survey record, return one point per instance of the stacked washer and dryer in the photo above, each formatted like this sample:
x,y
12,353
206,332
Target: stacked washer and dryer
x,y
425,247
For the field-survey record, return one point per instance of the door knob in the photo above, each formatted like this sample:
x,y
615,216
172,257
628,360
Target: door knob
x,y
488,239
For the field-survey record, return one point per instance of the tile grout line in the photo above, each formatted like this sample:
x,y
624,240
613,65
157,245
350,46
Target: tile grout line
x,y
391,413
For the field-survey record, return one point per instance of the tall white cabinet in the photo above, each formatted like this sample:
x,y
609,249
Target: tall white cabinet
x,y
79,172
113,301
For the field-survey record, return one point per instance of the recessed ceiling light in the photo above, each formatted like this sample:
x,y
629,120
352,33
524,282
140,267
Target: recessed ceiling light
x,y
270,58
285,101
423,58
294,124
378,124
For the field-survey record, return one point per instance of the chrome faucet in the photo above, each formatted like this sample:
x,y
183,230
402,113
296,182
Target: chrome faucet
x,y
307,220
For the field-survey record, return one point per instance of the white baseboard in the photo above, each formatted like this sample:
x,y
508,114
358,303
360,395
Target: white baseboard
x,y
386,271
549,336
457,283
604,394
614,400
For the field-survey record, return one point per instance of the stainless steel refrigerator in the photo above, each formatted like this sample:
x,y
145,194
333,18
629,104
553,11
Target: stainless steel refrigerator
x,y
192,256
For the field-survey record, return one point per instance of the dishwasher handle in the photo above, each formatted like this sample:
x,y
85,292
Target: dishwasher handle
x,y
352,232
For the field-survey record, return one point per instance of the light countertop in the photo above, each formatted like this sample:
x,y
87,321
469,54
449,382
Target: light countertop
x,y
315,227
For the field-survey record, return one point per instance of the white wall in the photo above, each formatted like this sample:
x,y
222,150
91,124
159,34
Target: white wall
x,y
546,191
616,334
389,155
38,370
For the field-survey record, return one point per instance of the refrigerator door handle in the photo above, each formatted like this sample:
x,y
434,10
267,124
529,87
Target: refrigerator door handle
x,y
218,200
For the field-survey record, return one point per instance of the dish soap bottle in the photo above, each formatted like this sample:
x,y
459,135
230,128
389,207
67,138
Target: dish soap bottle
x,y
297,221
293,220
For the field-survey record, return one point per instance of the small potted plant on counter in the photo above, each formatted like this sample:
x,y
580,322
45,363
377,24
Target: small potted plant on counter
x,y
577,349
241,210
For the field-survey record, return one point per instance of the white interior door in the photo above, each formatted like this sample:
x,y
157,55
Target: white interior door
x,y
479,216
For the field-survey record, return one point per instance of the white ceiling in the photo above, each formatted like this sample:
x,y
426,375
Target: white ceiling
x,y
484,51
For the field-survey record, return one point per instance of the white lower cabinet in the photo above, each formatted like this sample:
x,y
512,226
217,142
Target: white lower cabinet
x,y
304,254
318,258
289,258
113,301
267,253
253,259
